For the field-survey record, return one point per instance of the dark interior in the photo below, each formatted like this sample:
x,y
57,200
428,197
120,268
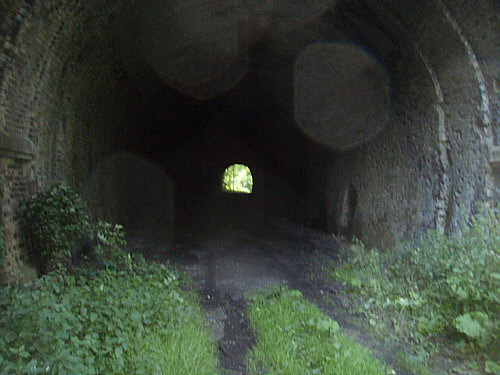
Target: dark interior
x,y
370,118
252,122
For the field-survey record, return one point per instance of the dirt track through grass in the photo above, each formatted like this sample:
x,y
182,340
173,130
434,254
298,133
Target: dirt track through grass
x,y
228,266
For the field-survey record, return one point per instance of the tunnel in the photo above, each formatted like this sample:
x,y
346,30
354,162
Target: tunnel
x,y
370,118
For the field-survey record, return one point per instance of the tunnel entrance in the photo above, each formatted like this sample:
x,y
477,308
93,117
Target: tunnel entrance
x,y
237,178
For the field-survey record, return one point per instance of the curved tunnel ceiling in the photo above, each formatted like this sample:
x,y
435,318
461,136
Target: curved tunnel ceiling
x,y
240,56
230,66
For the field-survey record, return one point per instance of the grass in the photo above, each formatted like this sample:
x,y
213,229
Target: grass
x,y
439,296
413,362
106,322
183,351
294,337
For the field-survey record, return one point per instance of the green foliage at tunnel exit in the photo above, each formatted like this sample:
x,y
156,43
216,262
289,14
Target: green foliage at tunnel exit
x,y
237,179
294,337
445,288
135,320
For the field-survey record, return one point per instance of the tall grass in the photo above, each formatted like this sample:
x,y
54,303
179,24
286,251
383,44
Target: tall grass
x,y
295,337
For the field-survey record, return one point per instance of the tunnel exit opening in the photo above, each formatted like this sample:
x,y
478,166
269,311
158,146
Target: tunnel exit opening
x,y
237,178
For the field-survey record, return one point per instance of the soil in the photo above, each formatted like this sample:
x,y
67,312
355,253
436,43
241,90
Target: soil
x,y
229,264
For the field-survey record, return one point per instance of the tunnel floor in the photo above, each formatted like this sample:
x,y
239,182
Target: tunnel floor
x,y
233,262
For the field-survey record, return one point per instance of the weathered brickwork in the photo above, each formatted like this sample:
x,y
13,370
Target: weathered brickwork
x,y
74,78
433,160
62,89
16,187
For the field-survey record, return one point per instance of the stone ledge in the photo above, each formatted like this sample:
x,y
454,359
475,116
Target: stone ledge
x,y
16,147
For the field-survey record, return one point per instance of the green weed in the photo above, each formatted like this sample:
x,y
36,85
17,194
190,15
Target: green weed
x,y
107,322
414,362
295,337
57,225
445,288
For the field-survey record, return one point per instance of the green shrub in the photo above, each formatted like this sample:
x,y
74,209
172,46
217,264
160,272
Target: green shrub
x,y
443,284
110,241
57,224
109,322
60,228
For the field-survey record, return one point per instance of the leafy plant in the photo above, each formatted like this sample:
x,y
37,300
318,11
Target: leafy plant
x,y
475,325
110,242
58,224
109,322
440,286
60,228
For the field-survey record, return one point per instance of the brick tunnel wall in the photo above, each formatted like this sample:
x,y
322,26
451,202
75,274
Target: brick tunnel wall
x,y
60,89
432,164
479,26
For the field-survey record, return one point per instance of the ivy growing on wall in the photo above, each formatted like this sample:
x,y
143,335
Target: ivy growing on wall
x,y
61,231
57,223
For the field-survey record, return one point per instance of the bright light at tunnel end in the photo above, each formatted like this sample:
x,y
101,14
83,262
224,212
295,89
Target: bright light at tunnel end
x,y
237,178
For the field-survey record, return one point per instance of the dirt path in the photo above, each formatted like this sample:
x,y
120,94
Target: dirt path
x,y
228,265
